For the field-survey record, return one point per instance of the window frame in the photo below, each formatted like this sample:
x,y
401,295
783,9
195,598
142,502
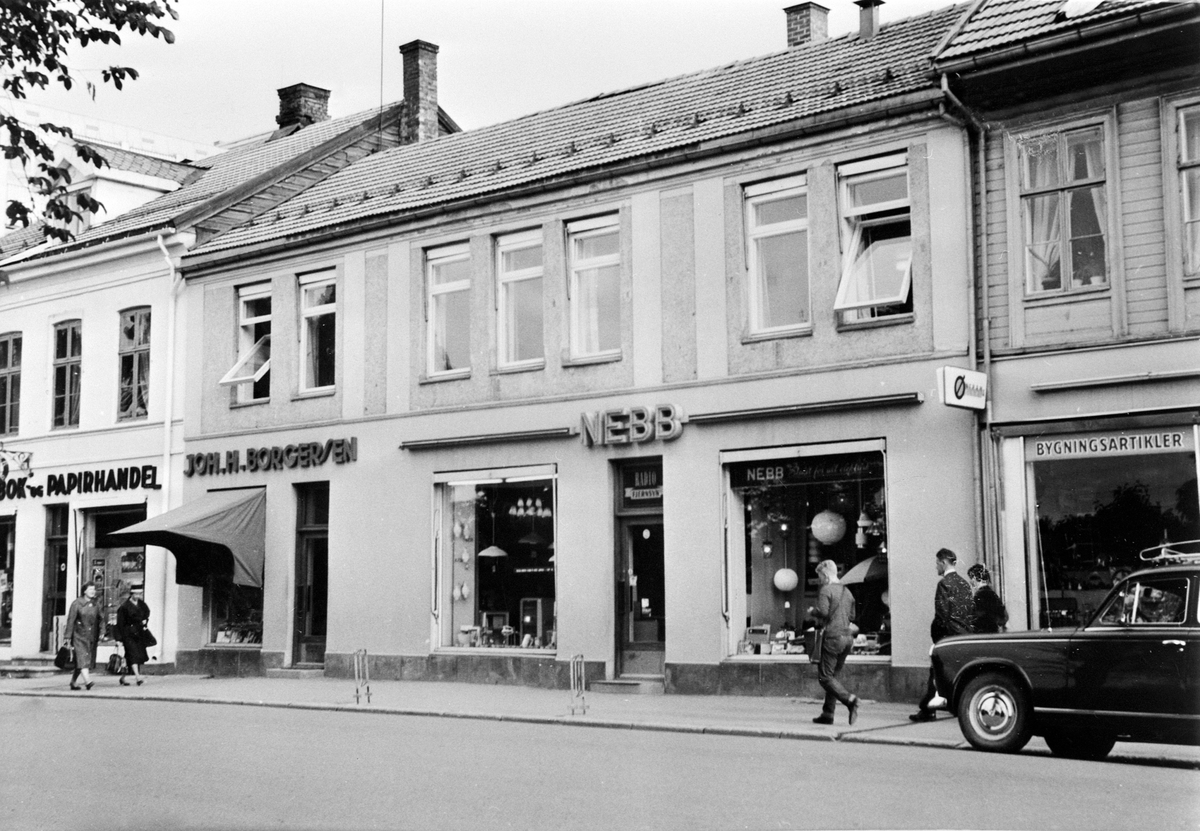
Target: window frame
x,y
305,283
576,231
1137,585
138,352
64,363
434,257
10,400
756,194
1061,189
248,346
520,241
852,222
1183,166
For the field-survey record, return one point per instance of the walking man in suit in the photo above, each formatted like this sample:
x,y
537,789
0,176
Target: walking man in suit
x,y
953,610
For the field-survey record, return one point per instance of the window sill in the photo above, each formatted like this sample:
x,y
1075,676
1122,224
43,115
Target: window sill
x,y
1053,298
492,651
257,402
324,392
513,369
803,659
778,334
877,323
133,419
457,375
243,646
589,360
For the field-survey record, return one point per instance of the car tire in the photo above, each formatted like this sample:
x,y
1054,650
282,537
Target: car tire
x,y
994,713
1079,744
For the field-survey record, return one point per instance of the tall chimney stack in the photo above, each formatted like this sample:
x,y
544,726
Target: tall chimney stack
x,y
806,23
868,18
302,104
420,91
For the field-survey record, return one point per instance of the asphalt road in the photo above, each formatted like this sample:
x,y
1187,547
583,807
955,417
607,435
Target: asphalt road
x,y
106,764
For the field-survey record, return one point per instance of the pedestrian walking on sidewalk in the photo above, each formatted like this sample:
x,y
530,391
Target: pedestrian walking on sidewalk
x,y
84,622
132,616
953,609
835,612
990,614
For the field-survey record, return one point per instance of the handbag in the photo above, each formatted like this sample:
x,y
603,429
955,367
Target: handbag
x,y
116,664
148,639
818,646
65,657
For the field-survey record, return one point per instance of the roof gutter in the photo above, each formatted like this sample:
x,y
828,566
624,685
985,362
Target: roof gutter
x,y
199,264
1073,41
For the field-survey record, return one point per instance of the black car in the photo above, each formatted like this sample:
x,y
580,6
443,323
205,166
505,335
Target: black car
x,y
1131,673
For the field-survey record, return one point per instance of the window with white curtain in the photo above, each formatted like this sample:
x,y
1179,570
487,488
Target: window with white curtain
x,y
318,330
68,371
250,376
133,391
594,286
1189,174
1064,210
448,309
519,318
777,255
876,239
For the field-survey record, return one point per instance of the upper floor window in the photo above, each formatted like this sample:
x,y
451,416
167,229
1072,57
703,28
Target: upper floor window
x,y
1064,210
519,299
10,383
133,391
877,239
448,309
68,353
318,330
1189,174
250,376
594,286
777,234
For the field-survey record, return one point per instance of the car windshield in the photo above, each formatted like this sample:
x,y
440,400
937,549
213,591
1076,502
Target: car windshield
x,y
1149,600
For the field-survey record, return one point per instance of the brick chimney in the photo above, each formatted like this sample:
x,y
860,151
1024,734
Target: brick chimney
x,y
420,90
302,104
868,18
806,23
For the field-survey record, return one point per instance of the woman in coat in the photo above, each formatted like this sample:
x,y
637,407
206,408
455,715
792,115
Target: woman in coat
x,y
835,612
990,614
84,624
132,616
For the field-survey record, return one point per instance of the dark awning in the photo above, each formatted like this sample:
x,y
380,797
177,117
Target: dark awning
x,y
221,533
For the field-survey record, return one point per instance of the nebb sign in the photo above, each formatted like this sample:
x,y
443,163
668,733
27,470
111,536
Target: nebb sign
x,y
632,425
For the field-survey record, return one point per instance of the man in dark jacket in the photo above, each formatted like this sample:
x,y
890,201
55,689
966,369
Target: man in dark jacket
x,y
990,614
953,610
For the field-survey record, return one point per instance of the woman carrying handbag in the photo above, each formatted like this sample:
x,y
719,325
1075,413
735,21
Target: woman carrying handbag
x,y
83,629
132,615
835,615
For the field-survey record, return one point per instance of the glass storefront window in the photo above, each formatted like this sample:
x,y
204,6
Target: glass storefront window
x,y
7,555
111,566
498,563
793,512
235,612
1098,508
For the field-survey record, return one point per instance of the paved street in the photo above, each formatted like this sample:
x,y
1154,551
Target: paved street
x,y
144,763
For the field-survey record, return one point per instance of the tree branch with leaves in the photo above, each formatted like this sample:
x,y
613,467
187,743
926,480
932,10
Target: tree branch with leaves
x,y
37,38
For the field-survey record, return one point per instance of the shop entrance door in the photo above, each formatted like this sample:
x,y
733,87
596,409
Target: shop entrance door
x,y
641,616
312,574
54,580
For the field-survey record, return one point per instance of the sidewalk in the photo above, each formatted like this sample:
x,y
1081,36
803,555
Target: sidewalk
x,y
780,718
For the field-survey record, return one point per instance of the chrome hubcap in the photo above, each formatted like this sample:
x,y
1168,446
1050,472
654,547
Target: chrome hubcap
x,y
994,711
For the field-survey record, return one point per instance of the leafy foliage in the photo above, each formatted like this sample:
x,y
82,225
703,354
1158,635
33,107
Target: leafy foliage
x,y
35,39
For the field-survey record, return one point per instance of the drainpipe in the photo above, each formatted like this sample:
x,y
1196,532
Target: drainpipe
x,y
977,188
169,606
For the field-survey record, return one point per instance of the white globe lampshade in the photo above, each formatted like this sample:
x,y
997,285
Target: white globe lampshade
x,y
828,527
786,579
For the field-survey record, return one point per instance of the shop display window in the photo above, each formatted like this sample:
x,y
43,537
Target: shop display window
x,y
497,563
235,612
789,513
1093,518
7,555
111,566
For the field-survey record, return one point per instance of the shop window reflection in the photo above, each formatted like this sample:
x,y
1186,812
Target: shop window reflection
x,y
500,563
1094,515
235,612
811,509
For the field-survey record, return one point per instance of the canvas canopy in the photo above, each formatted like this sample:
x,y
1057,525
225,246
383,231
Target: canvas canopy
x,y
222,533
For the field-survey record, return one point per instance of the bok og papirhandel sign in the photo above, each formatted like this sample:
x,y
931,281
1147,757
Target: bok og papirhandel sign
x,y
962,388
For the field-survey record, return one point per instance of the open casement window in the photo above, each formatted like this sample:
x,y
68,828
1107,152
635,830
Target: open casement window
x,y
877,239
777,256
1064,210
1189,174
519,311
318,330
133,391
68,371
10,383
594,287
448,310
250,376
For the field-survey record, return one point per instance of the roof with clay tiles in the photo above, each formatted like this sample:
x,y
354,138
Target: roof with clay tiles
x,y
812,80
133,162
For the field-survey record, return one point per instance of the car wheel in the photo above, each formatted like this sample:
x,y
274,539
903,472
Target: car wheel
x,y
1077,744
993,712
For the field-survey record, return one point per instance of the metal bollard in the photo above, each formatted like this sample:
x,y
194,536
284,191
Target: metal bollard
x,y
578,685
362,676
